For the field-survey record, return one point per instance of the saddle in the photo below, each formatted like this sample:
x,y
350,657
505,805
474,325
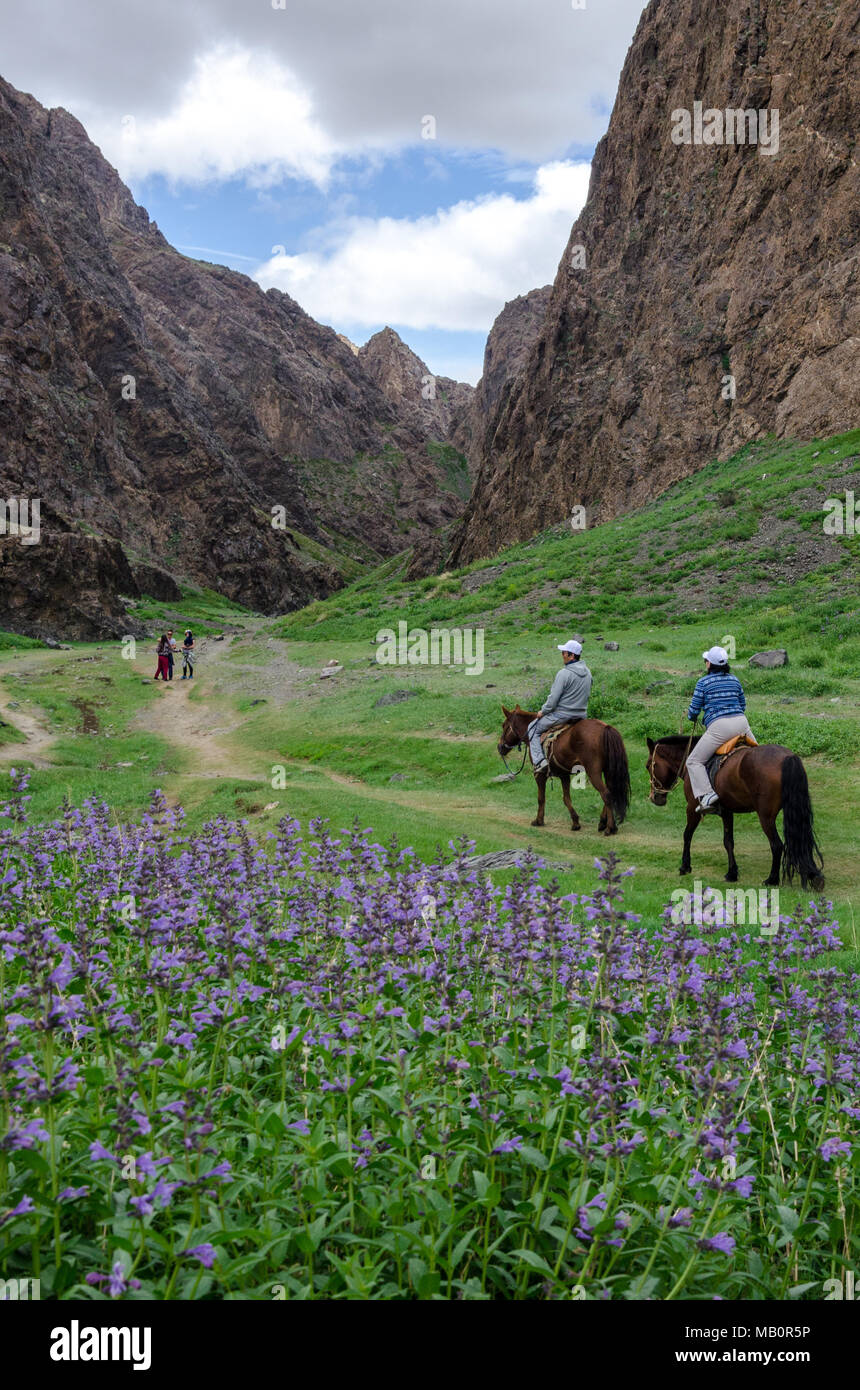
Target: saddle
x,y
548,738
726,750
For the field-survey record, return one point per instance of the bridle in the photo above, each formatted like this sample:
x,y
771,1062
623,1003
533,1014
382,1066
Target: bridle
x,y
520,743
656,784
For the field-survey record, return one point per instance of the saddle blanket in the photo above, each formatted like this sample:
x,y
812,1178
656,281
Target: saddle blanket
x,y
548,738
725,750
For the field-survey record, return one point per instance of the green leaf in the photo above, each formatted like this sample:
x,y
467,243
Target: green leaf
x,y
788,1220
533,1156
273,1124
428,1284
533,1260
461,1247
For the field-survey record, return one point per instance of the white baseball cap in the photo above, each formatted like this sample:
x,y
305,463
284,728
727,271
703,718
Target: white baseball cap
x,y
574,647
718,656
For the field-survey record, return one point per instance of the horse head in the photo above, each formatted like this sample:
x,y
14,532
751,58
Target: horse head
x,y
513,730
663,771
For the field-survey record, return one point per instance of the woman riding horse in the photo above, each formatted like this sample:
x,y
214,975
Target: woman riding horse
x,y
719,698
765,778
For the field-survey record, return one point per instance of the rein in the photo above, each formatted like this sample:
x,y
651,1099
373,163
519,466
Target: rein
x,y
520,743
656,784
522,764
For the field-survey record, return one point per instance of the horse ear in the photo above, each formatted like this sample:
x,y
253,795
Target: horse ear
x,y
651,744
505,712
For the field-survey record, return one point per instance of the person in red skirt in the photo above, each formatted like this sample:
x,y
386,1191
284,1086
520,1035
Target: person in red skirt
x,y
163,650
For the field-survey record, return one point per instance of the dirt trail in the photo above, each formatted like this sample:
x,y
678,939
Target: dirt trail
x,y
192,727
39,738
188,724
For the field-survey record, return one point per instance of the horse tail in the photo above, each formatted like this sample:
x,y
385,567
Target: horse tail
x,y
802,852
616,772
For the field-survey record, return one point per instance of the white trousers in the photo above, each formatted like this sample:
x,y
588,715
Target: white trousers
x,y
714,735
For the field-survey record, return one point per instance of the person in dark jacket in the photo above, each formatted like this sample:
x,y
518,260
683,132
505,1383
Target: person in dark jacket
x,y
567,700
188,656
719,698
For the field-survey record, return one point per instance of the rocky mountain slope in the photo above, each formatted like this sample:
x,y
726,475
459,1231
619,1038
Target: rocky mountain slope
x,y
509,343
694,271
169,405
505,355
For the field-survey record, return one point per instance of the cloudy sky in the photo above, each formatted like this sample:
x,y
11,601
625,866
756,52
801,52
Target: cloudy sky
x,y
410,162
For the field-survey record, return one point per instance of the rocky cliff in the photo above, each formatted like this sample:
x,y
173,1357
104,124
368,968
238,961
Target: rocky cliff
x,y
432,404
509,343
708,294
169,405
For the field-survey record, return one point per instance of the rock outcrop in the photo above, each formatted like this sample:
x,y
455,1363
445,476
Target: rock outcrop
x,y
432,404
172,406
709,292
509,343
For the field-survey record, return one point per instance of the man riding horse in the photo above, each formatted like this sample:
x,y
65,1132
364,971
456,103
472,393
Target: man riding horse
x,y
566,703
582,744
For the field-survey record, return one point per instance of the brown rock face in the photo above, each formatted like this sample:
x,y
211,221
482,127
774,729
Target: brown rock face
x,y
703,262
170,405
509,343
73,585
430,403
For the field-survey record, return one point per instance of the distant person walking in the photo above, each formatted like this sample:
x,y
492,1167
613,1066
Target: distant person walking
x,y
162,651
188,656
171,653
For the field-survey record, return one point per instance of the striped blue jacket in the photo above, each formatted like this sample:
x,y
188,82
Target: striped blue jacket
x,y
718,696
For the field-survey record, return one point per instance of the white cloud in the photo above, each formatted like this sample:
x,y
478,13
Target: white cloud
x,y
237,114
531,78
452,270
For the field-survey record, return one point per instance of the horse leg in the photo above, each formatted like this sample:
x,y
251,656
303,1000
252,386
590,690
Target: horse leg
x,y
693,818
768,825
729,843
607,819
541,787
564,778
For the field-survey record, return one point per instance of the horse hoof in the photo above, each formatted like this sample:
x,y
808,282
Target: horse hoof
x,y
771,883
576,827
684,870
730,878
537,822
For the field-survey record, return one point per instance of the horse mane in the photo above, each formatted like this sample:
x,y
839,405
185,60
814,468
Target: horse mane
x,y
677,740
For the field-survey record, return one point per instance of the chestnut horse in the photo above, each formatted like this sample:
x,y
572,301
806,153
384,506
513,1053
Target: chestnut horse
x,y
590,744
763,779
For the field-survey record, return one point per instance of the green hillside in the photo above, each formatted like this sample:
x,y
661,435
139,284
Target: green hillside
x,y
735,553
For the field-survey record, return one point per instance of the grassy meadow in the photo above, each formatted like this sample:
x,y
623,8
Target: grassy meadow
x,y
735,552
270,1036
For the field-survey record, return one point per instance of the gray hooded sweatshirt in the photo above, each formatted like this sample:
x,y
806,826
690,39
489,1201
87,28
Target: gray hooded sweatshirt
x,y
571,688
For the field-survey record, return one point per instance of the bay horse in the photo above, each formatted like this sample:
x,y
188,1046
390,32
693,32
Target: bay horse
x,y
590,744
765,779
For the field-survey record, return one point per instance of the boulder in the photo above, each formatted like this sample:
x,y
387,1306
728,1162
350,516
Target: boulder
x,y
777,657
512,859
610,646
395,697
